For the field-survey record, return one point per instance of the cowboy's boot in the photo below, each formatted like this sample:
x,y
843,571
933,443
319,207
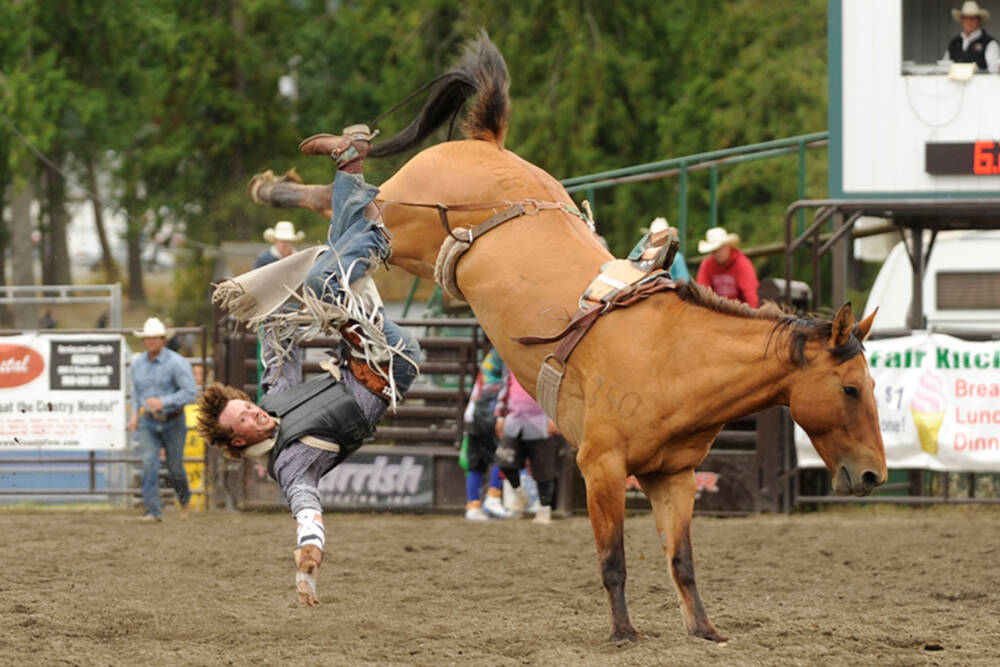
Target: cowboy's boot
x,y
347,150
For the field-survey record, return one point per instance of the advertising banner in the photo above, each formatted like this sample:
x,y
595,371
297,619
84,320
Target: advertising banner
x,y
62,391
938,403
383,481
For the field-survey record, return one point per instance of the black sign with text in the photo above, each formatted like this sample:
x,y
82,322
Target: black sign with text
x,y
76,364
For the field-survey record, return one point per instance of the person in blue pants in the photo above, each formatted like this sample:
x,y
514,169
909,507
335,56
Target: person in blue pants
x,y
481,443
162,384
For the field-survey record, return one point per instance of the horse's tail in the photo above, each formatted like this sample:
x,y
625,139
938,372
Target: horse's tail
x,y
481,71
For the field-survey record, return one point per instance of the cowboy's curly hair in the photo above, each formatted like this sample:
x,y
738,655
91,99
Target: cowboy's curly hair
x,y
210,403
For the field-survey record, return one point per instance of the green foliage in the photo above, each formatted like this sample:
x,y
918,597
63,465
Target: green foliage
x,y
180,99
193,286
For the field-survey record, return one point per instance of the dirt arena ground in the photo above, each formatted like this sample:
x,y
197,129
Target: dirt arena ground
x,y
879,586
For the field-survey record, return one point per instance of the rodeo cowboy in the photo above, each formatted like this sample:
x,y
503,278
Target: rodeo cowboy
x,y
302,430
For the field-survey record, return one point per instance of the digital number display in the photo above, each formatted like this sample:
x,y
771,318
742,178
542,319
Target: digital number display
x,y
977,158
985,158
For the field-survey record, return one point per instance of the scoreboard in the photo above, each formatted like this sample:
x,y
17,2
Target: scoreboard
x,y
978,158
900,125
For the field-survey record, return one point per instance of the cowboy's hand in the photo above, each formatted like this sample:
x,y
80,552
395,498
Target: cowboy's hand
x,y
133,422
153,404
553,429
498,429
307,560
305,588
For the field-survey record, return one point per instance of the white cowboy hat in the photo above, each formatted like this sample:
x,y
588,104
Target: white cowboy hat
x,y
970,8
153,328
715,238
283,231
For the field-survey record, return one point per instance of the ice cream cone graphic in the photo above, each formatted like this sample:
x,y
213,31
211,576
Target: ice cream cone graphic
x,y
928,410
928,426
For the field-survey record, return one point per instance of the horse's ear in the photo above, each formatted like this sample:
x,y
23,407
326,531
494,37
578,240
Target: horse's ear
x,y
842,325
865,325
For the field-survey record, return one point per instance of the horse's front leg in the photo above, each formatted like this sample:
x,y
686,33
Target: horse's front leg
x,y
672,497
288,191
605,478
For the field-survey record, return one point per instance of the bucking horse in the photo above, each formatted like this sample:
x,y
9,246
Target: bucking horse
x,y
646,388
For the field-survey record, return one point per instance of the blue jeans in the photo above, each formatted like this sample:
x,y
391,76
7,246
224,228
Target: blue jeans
x,y
170,436
355,239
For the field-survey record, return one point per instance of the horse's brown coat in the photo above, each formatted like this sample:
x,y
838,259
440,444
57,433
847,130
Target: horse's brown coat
x,y
650,386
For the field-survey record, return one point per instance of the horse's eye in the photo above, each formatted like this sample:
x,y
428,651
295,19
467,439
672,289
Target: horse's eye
x,y
852,391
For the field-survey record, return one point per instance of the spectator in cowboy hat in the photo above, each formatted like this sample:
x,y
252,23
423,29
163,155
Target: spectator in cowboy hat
x,y
162,384
973,45
727,270
281,237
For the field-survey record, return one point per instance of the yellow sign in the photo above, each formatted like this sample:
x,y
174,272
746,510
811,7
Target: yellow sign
x,y
194,448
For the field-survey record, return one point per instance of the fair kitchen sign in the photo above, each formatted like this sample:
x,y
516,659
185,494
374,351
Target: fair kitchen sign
x,y
62,391
938,403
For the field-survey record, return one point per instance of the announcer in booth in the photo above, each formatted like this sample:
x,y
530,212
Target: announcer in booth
x,y
973,44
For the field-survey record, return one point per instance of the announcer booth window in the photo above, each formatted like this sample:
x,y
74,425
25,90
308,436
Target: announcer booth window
x,y
927,28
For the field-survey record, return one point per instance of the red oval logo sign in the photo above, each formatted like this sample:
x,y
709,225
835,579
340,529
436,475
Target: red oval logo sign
x,y
19,365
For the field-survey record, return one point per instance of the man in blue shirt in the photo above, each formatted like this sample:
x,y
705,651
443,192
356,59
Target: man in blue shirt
x,y
162,384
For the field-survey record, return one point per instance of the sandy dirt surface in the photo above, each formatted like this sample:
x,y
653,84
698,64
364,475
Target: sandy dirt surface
x,y
883,586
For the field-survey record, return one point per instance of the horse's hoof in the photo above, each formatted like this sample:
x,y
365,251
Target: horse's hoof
x,y
712,636
628,635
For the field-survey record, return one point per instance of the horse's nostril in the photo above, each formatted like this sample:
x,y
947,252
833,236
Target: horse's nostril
x,y
869,479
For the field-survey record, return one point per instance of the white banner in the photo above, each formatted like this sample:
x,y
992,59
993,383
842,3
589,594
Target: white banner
x,y
938,404
62,391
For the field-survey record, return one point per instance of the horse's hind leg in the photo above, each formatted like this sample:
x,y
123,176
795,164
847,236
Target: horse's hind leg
x,y
606,504
288,191
672,497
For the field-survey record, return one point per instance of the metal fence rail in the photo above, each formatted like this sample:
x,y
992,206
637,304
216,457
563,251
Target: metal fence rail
x,y
711,161
66,294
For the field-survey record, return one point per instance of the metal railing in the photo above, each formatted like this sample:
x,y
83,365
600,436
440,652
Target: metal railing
x,y
75,465
50,295
683,166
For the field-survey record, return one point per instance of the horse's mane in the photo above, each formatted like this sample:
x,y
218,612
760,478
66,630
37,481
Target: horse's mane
x,y
797,330
481,71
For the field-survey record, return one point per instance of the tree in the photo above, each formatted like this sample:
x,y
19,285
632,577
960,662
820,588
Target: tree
x,y
597,86
179,101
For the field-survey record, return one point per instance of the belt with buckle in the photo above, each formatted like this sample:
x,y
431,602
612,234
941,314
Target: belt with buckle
x,y
161,416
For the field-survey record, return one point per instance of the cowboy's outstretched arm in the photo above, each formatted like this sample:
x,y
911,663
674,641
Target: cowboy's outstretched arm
x,y
307,560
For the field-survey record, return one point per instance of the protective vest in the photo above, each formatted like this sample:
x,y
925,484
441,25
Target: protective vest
x,y
976,52
321,407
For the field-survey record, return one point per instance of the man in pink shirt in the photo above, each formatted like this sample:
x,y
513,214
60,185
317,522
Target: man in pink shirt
x,y
526,433
727,271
